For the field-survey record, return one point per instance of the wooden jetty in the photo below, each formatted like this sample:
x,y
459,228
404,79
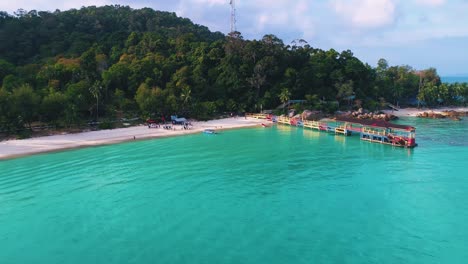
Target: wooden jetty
x,y
379,131
375,131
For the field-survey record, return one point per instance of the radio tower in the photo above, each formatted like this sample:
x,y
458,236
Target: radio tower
x,y
233,15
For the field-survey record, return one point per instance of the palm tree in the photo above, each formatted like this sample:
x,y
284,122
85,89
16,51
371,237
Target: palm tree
x,y
186,96
397,93
95,90
284,96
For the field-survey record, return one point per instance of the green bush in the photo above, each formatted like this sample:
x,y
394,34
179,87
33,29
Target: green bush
x,y
372,105
278,112
25,133
106,125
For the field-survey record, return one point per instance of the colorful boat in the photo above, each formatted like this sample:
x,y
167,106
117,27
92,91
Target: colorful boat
x,y
380,131
375,131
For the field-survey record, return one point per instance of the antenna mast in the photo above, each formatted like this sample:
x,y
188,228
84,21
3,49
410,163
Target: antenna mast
x,y
233,15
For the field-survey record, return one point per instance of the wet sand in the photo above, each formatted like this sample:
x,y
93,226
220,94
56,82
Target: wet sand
x,y
18,148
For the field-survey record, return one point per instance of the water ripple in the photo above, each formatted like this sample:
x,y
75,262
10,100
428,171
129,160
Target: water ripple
x,y
278,195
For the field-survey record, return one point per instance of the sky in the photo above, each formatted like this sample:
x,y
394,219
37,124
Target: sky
x,y
419,33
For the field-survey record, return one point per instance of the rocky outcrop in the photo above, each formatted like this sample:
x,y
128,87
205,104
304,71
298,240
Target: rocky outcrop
x,y
359,114
431,115
364,114
455,115
312,115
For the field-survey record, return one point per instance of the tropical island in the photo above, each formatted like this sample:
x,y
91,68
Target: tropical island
x,y
106,66
264,150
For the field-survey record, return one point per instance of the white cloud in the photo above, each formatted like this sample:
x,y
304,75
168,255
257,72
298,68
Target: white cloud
x,y
45,5
432,3
304,19
254,18
210,2
292,17
366,13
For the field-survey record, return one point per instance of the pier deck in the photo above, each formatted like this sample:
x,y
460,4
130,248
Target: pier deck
x,y
376,131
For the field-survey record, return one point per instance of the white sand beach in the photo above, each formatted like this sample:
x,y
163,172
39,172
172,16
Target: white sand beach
x,y
17,148
415,111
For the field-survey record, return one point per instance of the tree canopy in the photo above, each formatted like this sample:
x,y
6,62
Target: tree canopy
x,y
100,62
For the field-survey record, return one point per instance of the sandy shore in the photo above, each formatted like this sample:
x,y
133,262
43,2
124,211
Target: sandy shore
x,y
17,148
415,111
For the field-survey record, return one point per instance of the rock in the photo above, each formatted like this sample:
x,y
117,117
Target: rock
x,y
434,115
453,113
306,114
364,114
312,115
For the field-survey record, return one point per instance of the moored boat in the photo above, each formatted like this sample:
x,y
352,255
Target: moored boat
x,y
379,131
375,131
209,131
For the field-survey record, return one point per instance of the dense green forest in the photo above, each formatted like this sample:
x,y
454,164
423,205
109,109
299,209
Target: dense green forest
x,y
67,68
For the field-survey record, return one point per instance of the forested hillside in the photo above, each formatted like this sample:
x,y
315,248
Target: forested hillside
x,y
66,68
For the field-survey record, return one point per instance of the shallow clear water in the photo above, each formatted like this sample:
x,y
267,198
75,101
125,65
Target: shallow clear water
x,y
266,195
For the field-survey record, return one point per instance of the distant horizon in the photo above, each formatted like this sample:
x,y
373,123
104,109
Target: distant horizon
x,y
454,79
454,75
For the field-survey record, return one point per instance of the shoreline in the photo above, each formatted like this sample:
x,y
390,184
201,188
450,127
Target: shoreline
x,y
12,149
413,112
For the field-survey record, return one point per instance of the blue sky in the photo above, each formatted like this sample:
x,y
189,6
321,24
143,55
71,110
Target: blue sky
x,y
419,33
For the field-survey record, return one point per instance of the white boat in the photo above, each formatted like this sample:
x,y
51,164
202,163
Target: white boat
x,y
209,131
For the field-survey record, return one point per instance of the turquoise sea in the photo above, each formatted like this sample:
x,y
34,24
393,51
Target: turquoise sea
x,y
260,195
455,79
